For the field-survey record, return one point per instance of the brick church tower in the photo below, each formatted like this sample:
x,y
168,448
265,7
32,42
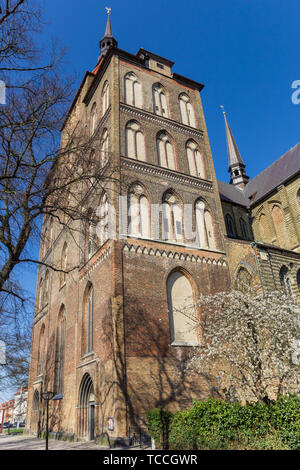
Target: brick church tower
x,y
109,337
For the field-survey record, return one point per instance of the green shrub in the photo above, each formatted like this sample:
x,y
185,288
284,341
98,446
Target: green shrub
x,y
158,424
214,424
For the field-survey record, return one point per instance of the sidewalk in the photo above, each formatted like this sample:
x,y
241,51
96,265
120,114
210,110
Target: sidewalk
x,y
32,443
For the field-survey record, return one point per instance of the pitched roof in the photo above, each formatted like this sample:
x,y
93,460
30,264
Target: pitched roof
x,y
231,193
274,175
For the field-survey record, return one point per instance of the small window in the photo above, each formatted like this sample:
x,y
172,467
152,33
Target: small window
x,y
160,66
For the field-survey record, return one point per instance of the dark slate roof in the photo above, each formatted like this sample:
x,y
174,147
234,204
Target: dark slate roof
x,y
233,194
267,181
276,174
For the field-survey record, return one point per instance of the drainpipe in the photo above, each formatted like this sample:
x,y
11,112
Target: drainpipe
x,y
253,245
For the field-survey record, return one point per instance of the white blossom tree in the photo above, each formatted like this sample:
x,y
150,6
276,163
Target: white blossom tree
x,y
250,343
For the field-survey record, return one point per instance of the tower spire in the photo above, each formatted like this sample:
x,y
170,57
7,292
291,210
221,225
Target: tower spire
x,y
108,40
236,166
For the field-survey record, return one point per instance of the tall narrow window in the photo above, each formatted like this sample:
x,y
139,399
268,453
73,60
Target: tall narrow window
x,y
41,351
182,310
160,101
280,227
63,274
104,148
46,288
230,226
138,212
165,151
195,160
102,213
93,118
60,352
90,318
186,110
204,226
133,90
244,229
135,142
285,281
105,97
172,218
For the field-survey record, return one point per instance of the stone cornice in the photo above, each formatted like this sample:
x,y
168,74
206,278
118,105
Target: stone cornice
x,y
165,173
163,122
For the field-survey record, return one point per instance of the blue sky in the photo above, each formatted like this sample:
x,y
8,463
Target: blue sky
x,y
245,52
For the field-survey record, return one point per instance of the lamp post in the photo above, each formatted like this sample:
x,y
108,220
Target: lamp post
x,y
47,396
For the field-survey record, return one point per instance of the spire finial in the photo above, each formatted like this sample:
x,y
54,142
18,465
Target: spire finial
x,y
108,40
236,164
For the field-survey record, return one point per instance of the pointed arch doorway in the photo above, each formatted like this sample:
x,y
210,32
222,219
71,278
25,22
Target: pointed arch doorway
x,y
86,408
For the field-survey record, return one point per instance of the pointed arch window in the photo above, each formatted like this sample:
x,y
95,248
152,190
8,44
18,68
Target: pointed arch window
x,y
230,226
88,320
186,110
138,212
46,288
182,310
104,148
63,265
133,90
93,118
195,160
165,151
102,213
243,280
244,229
160,101
105,97
204,226
41,350
172,226
285,281
135,141
40,295
60,352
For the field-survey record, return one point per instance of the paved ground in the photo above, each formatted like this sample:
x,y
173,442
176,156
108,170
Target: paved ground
x,y
32,443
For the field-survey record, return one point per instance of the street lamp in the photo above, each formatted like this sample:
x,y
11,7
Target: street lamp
x,y
47,396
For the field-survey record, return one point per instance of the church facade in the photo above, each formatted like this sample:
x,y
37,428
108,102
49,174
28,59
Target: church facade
x,y
107,337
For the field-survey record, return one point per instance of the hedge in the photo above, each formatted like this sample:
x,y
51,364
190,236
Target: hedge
x,y
215,424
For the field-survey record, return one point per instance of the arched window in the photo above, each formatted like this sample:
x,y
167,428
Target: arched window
x,y
159,100
60,352
182,309
88,320
46,241
165,151
244,229
46,288
285,281
195,160
41,351
104,151
204,226
102,213
51,231
135,142
243,280
105,97
280,226
263,227
138,212
93,118
172,226
40,294
186,110
90,241
230,226
298,279
63,265
133,90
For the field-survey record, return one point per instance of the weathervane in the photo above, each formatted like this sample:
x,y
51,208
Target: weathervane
x,y
108,10
223,109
